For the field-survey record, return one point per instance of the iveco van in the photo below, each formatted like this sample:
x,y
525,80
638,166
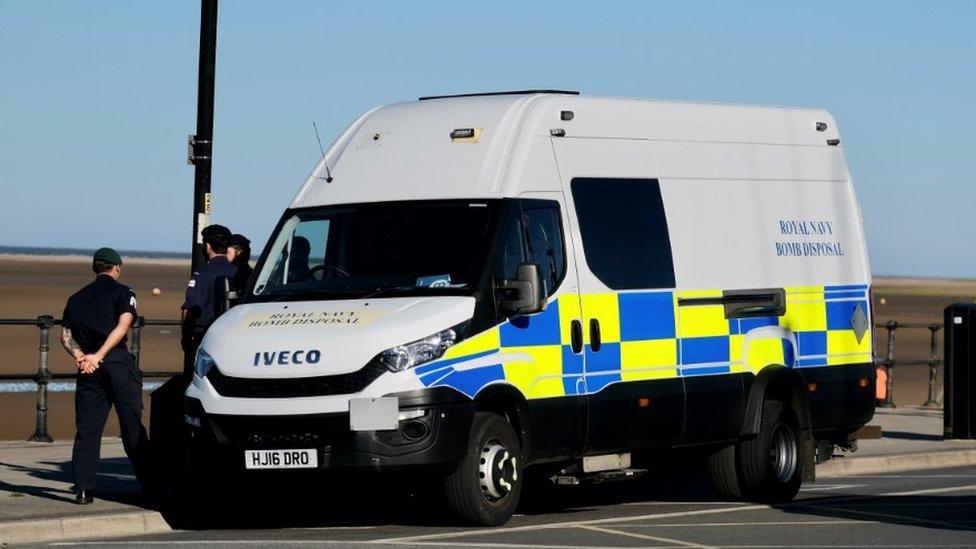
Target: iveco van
x,y
470,286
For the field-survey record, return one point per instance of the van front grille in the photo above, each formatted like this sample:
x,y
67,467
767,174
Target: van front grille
x,y
343,384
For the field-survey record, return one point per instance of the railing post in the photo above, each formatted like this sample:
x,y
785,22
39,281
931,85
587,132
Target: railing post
x,y
933,367
889,401
135,345
42,377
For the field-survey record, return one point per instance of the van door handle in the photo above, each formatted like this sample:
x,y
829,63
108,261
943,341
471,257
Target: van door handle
x,y
595,342
576,334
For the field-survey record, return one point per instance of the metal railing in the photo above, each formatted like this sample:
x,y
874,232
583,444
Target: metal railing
x,y
889,361
44,375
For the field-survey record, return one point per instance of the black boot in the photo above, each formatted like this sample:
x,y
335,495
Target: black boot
x,y
84,497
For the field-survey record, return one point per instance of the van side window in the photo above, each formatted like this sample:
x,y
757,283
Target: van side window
x,y
512,252
625,232
545,241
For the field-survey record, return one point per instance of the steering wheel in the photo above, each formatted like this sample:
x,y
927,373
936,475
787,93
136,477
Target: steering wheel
x,y
327,269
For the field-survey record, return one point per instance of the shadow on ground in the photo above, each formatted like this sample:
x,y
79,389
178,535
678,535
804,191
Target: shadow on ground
x,y
115,481
939,512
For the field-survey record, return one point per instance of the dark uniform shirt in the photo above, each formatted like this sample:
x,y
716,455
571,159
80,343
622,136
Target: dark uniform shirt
x,y
93,312
241,277
200,290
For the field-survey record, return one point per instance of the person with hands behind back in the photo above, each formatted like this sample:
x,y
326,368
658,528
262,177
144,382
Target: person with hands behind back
x,y
95,325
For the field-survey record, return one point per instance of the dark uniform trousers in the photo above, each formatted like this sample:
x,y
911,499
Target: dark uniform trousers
x,y
116,382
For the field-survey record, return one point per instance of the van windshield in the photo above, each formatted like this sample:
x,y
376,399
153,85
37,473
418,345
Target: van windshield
x,y
382,249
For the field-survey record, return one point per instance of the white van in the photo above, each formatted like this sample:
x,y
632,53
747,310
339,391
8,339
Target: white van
x,y
473,285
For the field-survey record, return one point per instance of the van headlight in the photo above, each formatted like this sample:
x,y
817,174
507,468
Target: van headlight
x,y
203,364
403,357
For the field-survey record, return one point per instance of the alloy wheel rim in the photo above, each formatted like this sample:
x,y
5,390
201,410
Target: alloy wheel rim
x,y
783,453
497,470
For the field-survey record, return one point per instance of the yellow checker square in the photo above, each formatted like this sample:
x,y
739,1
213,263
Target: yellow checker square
x,y
763,352
569,310
648,359
807,314
604,308
489,340
843,348
736,364
538,376
702,320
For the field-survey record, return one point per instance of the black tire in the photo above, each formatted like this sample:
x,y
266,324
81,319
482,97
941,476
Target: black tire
x,y
771,463
470,492
722,472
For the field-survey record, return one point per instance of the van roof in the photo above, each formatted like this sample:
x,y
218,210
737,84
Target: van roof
x,y
408,150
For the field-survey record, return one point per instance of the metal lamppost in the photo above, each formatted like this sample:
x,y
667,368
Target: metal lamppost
x,y
200,145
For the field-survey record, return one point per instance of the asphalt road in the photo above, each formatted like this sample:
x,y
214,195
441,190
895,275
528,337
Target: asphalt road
x,y
935,508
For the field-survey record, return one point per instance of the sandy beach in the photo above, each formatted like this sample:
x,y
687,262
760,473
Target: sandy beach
x,y
40,285
37,285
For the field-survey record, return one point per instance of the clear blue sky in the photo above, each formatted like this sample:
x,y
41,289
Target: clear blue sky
x,y
97,98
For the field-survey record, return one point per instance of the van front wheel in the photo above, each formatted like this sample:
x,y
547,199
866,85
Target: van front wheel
x,y
771,463
485,487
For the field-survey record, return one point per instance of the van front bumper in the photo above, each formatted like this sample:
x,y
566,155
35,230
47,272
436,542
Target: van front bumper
x,y
218,442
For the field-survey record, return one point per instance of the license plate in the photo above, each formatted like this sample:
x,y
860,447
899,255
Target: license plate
x,y
281,459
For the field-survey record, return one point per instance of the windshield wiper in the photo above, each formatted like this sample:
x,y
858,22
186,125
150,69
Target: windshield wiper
x,y
389,290
307,292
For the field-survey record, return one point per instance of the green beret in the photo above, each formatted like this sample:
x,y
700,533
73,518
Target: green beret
x,y
108,255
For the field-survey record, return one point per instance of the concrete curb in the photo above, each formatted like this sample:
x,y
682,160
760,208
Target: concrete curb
x,y
844,466
130,523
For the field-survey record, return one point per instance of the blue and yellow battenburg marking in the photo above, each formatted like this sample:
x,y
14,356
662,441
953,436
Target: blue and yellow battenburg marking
x,y
645,335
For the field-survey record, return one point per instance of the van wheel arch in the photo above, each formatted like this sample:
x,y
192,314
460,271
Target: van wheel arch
x,y
776,382
508,402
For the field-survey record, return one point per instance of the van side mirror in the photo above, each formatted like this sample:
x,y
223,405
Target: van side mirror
x,y
225,296
526,294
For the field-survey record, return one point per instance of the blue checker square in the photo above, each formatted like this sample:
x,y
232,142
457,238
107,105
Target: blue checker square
x,y
607,359
846,288
789,356
574,385
538,329
809,362
598,382
705,370
747,324
702,350
811,343
647,315
840,313
572,362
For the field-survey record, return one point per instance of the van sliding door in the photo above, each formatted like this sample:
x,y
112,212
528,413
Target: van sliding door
x,y
634,395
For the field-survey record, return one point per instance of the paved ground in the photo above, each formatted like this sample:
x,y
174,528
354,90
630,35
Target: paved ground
x,y
672,503
934,508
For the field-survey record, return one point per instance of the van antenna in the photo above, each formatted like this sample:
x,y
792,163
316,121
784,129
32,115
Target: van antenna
x,y
328,178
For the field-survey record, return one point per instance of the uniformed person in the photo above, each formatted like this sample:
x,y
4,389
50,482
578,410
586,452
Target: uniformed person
x,y
198,308
239,253
95,324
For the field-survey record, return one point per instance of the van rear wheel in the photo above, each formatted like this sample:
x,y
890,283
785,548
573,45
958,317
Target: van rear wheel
x,y
771,463
722,472
486,486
